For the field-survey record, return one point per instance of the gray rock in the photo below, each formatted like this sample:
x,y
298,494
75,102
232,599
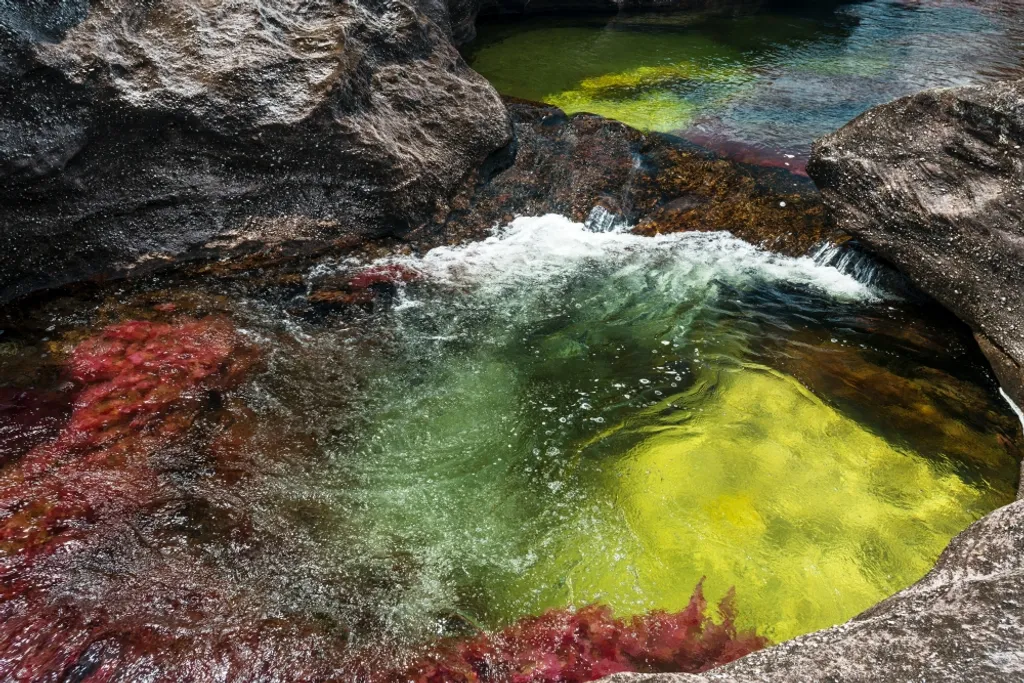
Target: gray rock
x,y
934,183
143,130
961,622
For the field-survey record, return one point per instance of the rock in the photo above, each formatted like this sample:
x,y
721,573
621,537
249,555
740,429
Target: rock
x,y
144,135
934,183
143,131
659,183
961,622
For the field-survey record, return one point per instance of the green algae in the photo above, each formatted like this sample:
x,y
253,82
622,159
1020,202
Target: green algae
x,y
773,81
569,418
651,81
756,483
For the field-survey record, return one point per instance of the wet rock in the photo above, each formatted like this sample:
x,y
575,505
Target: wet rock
x,y
138,132
659,183
959,623
934,183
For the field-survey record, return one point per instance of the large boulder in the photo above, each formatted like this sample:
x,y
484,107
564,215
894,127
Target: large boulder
x,y
136,131
934,183
961,622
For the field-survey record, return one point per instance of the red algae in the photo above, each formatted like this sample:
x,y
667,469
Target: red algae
x,y
141,386
566,646
389,274
98,584
747,153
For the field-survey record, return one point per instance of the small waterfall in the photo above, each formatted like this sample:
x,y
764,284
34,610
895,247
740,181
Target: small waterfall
x,y
603,220
849,260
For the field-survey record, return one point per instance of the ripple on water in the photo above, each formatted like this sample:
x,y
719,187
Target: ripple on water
x,y
758,87
571,417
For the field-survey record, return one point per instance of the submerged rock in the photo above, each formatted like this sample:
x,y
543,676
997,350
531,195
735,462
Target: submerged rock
x,y
659,183
935,184
137,132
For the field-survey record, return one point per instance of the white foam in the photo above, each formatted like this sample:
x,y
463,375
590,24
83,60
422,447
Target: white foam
x,y
1014,406
534,250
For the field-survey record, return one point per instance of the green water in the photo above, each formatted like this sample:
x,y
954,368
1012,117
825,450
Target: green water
x,y
563,417
767,82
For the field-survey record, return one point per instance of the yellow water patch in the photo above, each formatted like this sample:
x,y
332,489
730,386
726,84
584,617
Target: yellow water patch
x,y
642,96
761,486
650,111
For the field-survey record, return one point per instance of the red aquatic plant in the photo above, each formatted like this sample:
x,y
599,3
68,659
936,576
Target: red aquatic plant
x,y
389,274
141,386
101,581
567,646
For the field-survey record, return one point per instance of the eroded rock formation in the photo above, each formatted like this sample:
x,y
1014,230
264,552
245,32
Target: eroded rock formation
x,y
133,132
935,184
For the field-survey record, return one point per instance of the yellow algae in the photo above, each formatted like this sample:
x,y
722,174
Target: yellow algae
x,y
652,76
645,97
651,111
764,487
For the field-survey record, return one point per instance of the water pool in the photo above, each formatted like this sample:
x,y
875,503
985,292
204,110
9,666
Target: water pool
x,y
546,420
760,87
571,418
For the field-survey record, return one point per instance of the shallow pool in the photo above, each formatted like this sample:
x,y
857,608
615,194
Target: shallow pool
x,y
570,417
759,87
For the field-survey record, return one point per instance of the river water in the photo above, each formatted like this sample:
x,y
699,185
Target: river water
x,y
325,473
570,417
760,87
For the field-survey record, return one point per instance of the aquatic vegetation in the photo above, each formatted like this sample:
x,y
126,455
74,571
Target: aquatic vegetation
x,y
570,418
754,481
389,274
574,646
760,87
647,97
140,385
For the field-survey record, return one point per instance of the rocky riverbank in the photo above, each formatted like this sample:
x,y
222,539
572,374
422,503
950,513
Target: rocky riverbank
x,y
934,183
134,145
240,140
140,133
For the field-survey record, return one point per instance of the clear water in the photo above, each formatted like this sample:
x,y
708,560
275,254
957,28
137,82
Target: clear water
x,y
548,418
562,417
555,416
762,86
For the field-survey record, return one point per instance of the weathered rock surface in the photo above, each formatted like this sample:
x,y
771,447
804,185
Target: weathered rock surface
x,y
961,622
134,131
134,135
935,184
659,183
